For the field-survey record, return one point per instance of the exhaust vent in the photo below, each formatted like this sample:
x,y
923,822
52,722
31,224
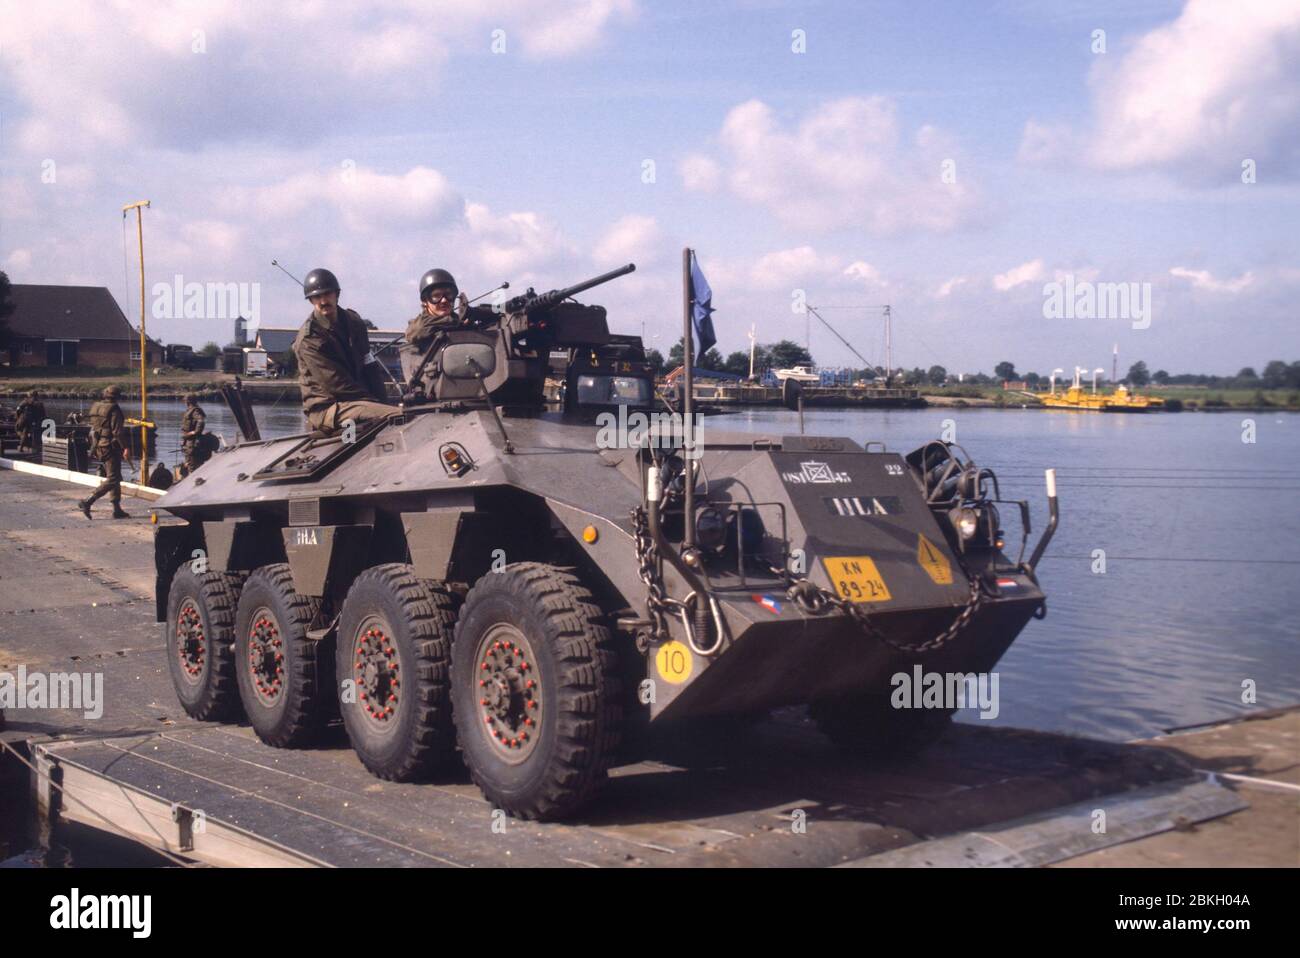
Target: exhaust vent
x,y
304,512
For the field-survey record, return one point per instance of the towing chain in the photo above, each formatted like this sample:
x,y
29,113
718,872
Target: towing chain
x,y
647,567
812,598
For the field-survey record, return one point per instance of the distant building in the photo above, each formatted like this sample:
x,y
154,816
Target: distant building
x,y
73,326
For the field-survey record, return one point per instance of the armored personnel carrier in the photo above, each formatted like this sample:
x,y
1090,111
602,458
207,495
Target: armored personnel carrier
x,y
537,586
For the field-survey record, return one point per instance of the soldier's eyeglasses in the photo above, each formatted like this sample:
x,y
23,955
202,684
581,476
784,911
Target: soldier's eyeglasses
x,y
440,298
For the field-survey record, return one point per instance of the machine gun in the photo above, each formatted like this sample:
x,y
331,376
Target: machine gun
x,y
542,320
531,302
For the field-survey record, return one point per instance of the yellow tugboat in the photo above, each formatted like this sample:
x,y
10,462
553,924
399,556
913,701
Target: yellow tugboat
x,y
1121,400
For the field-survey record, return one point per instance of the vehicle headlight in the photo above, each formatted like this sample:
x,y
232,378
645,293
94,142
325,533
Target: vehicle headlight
x,y
967,522
711,529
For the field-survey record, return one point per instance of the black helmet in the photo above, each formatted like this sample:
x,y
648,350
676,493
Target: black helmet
x,y
437,277
113,392
319,281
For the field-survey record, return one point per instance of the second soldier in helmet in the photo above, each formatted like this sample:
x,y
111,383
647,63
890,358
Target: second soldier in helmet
x,y
438,312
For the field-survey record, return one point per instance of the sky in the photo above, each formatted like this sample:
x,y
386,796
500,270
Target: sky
x,y
964,163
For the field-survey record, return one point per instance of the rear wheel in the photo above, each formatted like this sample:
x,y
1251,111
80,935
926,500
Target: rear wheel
x,y
281,675
535,691
201,636
869,726
394,645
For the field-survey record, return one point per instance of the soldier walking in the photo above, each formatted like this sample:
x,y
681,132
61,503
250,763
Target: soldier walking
x,y
30,422
108,445
340,377
193,445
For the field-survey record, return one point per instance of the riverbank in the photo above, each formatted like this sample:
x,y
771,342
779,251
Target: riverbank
x,y
174,384
169,384
1177,398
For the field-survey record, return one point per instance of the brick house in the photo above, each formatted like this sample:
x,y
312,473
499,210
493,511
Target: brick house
x,y
73,326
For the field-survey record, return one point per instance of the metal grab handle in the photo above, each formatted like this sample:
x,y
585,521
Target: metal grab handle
x,y
1054,516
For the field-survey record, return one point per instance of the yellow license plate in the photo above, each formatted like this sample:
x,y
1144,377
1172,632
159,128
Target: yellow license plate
x,y
856,578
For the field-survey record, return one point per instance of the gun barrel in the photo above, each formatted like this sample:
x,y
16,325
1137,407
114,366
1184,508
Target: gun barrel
x,y
547,300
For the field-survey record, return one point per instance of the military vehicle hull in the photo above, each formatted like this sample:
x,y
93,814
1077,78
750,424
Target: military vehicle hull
x,y
564,499
536,588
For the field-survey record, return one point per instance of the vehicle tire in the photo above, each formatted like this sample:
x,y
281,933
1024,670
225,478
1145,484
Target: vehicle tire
x,y
868,726
201,641
535,691
283,675
394,645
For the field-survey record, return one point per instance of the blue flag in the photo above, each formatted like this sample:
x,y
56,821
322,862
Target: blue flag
x,y
701,309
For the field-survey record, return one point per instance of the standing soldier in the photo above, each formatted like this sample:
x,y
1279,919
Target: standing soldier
x,y
30,422
108,445
192,444
339,375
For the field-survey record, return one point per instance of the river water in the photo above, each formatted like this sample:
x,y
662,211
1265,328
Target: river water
x,y
1197,602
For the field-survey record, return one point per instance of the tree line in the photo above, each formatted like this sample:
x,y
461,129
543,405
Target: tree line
x,y
1277,374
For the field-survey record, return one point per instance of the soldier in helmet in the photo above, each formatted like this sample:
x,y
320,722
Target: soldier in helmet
x,y
442,307
193,445
108,445
31,417
340,377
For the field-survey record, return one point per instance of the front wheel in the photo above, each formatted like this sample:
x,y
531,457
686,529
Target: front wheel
x,y
535,693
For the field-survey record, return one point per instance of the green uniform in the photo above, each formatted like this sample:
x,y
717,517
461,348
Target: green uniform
x,y
339,375
31,416
107,443
194,421
420,333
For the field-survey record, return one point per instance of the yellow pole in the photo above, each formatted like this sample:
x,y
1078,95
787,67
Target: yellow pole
x,y
144,352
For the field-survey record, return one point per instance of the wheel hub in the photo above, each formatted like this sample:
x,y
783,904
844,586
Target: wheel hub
x,y
509,693
191,644
375,671
265,657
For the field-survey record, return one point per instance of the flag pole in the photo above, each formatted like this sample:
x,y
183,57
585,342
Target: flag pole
x,y
688,400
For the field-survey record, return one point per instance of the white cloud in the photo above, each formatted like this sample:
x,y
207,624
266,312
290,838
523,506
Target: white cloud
x,y
187,74
19,260
1202,279
863,272
945,289
845,164
792,268
699,173
631,239
514,243
573,26
1197,96
1030,272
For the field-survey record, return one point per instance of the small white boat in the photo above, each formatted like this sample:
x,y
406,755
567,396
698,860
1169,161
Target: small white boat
x,y
802,373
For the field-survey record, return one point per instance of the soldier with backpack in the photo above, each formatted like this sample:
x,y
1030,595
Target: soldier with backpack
x,y
108,445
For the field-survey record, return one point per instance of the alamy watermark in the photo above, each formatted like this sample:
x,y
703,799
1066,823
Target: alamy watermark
x,y
946,690
1088,300
181,300
53,690
75,911
660,430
